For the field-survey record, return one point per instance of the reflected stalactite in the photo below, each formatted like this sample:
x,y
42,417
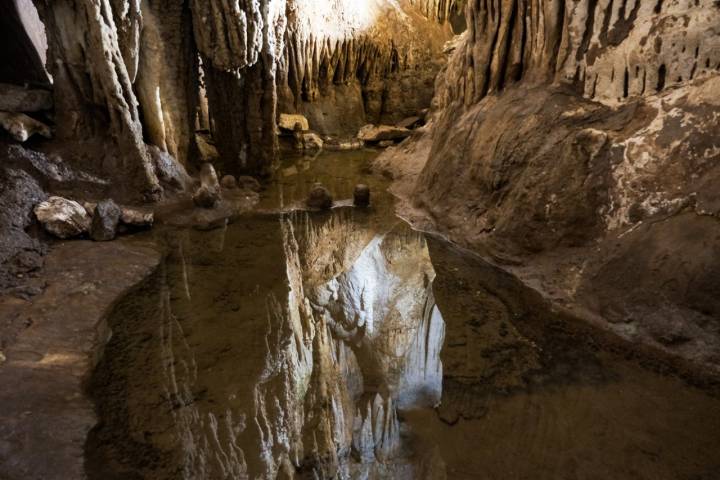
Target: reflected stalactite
x,y
296,372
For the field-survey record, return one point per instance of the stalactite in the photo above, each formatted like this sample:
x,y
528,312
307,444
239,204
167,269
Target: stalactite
x,y
90,73
552,41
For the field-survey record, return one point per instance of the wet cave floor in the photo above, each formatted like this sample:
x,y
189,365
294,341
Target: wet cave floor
x,y
347,345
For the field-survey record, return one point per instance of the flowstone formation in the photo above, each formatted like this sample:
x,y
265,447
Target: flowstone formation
x,y
576,143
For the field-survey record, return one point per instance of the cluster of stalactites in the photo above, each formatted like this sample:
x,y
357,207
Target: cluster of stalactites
x,y
438,10
315,63
609,49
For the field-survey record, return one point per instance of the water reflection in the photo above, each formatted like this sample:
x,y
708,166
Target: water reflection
x,y
279,345
346,345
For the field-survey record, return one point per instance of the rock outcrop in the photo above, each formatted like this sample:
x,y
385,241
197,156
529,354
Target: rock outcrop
x,y
564,136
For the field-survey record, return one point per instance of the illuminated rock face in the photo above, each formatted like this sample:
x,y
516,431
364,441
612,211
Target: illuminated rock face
x,y
302,374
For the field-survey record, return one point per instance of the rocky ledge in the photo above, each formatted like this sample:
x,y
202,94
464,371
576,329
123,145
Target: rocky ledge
x,y
49,346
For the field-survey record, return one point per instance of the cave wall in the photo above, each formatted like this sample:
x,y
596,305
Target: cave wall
x,y
609,50
347,64
127,72
571,139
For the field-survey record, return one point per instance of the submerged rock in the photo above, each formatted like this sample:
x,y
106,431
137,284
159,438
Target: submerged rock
x,y
14,98
319,198
361,195
62,217
289,121
21,127
379,133
105,221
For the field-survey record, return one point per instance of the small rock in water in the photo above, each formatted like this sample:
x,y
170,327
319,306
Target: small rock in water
x,y
229,182
208,194
137,218
62,217
319,198
105,221
361,195
386,143
308,141
206,197
248,183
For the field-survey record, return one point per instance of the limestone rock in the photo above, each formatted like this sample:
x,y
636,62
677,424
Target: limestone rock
x,y
21,127
319,198
379,133
361,195
309,141
105,221
62,217
288,122
169,172
137,218
14,98
229,182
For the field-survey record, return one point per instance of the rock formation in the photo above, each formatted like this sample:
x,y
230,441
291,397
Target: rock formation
x,y
564,136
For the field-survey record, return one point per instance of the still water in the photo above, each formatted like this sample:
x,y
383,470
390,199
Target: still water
x,y
347,345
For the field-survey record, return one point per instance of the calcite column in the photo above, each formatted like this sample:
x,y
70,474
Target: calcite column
x,y
93,81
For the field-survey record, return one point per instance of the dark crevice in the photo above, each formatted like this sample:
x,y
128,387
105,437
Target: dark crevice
x,y
662,73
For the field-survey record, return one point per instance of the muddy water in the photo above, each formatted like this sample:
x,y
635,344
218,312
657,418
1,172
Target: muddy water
x,y
346,345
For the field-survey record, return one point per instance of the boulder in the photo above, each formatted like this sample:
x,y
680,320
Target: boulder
x,y
137,218
14,98
361,195
288,121
21,127
62,217
319,198
229,182
105,221
379,133
308,141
